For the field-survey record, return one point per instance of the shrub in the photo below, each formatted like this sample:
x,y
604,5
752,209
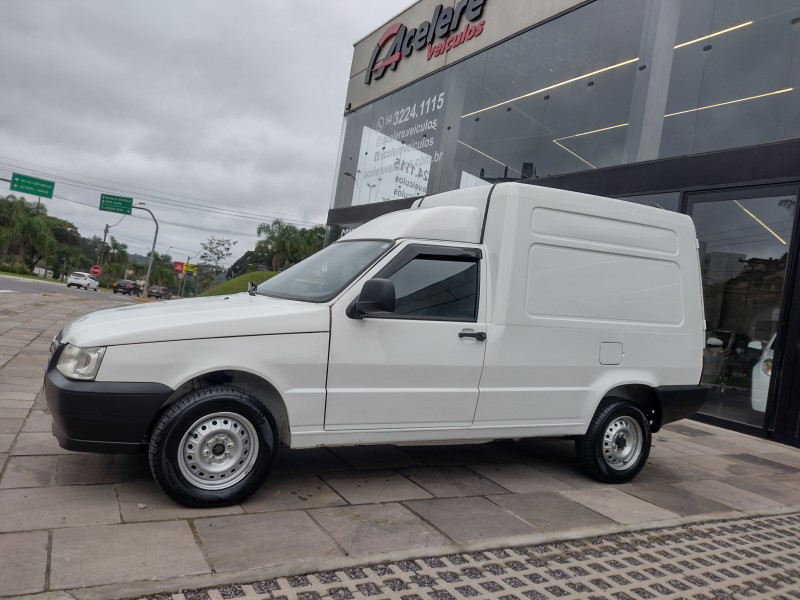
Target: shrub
x,y
16,269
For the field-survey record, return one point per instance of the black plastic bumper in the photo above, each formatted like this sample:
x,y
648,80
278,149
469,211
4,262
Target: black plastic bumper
x,y
680,401
101,416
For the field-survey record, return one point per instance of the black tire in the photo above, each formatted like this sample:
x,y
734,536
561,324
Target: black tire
x,y
235,419
617,443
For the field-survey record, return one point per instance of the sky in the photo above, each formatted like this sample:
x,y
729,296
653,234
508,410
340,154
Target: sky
x,y
218,115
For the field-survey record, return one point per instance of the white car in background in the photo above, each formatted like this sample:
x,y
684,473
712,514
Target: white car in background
x,y
762,372
86,281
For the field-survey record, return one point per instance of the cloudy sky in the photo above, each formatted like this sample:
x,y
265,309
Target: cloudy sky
x,y
219,115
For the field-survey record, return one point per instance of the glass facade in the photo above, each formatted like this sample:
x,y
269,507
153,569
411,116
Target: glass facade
x,y
611,83
745,240
623,82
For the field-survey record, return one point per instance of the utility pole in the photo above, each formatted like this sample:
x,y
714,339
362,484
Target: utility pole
x,y
102,248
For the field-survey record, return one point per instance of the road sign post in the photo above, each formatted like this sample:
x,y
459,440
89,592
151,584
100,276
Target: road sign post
x,y
116,204
32,185
96,270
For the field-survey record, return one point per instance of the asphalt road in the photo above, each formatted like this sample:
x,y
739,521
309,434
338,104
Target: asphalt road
x,y
10,285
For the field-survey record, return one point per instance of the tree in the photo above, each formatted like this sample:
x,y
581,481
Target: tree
x,y
312,240
162,273
28,235
215,251
287,243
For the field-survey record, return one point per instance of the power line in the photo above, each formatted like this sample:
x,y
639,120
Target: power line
x,y
199,205
276,214
212,230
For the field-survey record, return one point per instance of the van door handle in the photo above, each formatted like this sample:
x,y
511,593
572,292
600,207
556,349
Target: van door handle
x,y
478,335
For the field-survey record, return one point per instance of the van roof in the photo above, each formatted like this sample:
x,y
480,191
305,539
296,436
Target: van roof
x,y
458,215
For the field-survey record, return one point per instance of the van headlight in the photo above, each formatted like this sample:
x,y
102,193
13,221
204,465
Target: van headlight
x,y
80,363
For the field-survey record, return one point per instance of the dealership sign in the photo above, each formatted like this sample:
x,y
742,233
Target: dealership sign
x,y
440,35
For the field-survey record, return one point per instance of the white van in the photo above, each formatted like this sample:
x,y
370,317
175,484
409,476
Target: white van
x,y
508,311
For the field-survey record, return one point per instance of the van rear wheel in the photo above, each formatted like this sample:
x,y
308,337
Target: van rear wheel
x,y
213,447
617,443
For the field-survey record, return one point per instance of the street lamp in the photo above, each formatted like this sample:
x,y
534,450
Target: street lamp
x,y
371,187
140,206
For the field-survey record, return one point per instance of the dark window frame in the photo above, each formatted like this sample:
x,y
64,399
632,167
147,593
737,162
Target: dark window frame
x,y
431,252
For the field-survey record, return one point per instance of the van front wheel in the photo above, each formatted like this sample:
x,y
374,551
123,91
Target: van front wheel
x,y
213,447
617,443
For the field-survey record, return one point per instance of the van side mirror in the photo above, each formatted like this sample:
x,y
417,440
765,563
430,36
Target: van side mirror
x,y
251,288
377,296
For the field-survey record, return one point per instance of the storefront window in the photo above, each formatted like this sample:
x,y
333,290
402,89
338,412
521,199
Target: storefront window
x,y
744,246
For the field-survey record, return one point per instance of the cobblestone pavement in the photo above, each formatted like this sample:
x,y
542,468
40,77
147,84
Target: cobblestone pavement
x,y
741,558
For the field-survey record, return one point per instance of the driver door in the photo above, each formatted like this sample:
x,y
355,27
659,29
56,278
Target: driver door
x,y
420,366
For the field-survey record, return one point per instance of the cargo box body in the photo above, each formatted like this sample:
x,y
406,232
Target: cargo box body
x,y
584,294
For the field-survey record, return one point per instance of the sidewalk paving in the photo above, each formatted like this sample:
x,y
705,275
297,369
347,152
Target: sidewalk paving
x,y
755,557
96,526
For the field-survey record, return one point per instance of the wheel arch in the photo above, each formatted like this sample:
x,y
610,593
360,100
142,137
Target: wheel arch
x,y
263,390
642,395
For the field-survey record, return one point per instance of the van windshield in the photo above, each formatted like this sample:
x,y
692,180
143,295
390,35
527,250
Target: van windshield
x,y
323,275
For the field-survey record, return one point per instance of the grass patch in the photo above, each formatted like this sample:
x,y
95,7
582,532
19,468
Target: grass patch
x,y
239,284
27,276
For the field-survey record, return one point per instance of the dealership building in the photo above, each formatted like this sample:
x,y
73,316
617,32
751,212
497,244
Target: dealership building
x,y
686,105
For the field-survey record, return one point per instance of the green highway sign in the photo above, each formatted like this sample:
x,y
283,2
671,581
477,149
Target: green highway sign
x,y
32,185
116,204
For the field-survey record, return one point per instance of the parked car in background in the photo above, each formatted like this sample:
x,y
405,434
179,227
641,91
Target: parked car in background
x,y
762,373
126,286
728,353
83,280
159,291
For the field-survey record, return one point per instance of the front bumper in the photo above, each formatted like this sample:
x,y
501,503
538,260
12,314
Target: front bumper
x,y
101,416
680,401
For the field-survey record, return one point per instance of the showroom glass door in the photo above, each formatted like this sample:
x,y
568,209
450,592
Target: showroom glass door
x,y
745,240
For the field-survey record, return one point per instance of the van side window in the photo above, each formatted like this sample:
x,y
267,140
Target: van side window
x,y
439,288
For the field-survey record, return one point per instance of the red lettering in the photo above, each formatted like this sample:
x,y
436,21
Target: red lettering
x,y
451,42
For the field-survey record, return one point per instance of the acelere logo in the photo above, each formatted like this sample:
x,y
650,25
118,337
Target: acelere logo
x,y
398,41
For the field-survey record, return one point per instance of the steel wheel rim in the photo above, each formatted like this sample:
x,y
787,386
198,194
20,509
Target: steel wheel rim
x,y
218,451
622,443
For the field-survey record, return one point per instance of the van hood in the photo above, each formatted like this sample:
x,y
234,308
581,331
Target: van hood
x,y
222,316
